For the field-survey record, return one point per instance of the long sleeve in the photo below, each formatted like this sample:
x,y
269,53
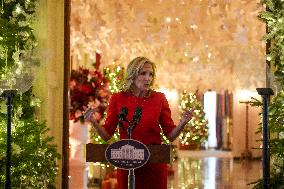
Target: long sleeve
x,y
111,120
165,118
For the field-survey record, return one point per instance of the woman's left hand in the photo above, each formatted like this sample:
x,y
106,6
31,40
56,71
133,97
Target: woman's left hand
x,y
186,116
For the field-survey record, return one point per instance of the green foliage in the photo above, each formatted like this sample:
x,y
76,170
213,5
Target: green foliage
x,y
275,124
33,156
23,102
16,32
276,142
276,179
114,76
273,16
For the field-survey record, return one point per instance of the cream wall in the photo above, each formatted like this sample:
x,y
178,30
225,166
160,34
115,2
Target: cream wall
x,y
49,81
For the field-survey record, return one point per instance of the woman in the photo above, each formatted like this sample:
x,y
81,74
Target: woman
x,y
137,92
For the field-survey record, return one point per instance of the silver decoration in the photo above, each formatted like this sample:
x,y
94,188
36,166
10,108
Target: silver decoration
x,y
21,76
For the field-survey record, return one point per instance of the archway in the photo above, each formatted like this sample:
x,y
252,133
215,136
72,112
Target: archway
x,y
180,42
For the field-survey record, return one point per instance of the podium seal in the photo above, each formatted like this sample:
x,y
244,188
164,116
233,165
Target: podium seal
x,y
127,154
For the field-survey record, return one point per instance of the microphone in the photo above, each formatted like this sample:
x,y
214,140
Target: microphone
x,y
122,114
137,116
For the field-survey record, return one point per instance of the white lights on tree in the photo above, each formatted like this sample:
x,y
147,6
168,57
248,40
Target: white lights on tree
x,y
21,76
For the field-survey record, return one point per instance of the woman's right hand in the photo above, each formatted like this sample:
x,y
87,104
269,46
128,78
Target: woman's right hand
x,y
89,116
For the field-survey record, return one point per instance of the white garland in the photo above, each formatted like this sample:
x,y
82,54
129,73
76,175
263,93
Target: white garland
x,y
214,43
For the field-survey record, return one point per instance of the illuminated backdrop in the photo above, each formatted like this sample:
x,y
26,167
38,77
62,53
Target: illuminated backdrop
x,y
197,44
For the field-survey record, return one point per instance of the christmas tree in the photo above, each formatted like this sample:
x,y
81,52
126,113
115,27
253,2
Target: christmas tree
x,y
33,156
196,130
114,75
273,16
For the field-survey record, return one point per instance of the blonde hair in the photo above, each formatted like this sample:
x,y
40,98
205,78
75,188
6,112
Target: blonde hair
x,y
133,70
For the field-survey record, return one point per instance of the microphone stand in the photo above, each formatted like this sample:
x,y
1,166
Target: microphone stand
x,y
131,126
8,94
131,175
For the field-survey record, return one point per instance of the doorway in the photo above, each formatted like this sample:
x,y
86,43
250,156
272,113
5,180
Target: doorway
x,y
178,40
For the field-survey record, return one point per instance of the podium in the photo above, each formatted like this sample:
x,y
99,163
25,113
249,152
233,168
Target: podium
x,y
159,153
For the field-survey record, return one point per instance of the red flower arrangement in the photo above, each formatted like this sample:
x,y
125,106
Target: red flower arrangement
x,y
88,89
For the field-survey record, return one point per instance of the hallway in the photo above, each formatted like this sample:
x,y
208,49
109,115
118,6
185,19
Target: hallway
x,y
213,170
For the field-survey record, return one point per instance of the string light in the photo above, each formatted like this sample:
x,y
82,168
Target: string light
x,y
168,19
209,55
114,75
18,9
195,59
193,26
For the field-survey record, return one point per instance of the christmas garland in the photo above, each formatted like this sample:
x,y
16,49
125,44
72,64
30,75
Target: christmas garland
x,y
273,16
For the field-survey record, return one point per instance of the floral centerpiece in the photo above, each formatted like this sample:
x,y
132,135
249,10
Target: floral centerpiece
x,y
88,89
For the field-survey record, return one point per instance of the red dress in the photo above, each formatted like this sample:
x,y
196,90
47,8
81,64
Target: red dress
x,y
155,112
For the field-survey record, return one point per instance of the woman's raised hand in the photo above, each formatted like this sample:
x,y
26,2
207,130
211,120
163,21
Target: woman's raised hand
x,y
89,115
186,116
